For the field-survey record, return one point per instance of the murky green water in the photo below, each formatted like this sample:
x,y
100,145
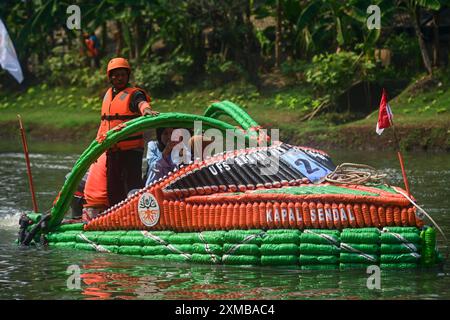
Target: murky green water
x,y
30,273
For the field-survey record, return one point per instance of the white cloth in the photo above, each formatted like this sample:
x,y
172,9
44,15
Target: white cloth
x,y
8,57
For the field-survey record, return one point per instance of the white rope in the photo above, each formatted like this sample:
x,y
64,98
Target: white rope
x,y
354,173
423,211
207,248
150,235
330,239
409,245
415,255
427,215
97,247
237,245
366,256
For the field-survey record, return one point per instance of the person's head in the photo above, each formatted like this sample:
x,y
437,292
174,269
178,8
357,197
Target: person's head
x,y
163,135
118,72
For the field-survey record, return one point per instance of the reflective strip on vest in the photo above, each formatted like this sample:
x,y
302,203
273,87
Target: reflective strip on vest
x,y
123,96
119,117
105,98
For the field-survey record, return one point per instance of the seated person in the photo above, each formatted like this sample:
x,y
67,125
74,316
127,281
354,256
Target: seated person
x,y
161,159
95,191
159,155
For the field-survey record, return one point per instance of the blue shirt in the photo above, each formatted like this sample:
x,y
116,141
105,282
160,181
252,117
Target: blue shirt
x,y
94,39
159,166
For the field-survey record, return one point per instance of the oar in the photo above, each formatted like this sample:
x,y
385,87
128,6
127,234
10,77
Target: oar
x,y
27,159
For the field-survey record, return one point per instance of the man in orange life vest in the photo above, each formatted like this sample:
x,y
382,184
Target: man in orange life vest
x,y
121,103
92,46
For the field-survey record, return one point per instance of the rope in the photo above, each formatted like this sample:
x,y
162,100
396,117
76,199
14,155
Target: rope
x,y
166,244
97,247
427,215
411,247
331,240
250,237
208,249
366,256
354,173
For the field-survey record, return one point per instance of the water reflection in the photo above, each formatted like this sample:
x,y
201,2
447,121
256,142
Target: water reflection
x,y
33,273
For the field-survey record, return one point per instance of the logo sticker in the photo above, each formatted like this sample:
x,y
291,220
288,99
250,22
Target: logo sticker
x,y
148,209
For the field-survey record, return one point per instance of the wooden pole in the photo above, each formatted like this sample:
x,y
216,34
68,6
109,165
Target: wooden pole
x,y
27,159
400,159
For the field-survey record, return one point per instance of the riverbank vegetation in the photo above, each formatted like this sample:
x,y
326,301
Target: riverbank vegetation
x,y
311,68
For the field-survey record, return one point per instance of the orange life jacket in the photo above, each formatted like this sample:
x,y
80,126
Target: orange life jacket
x,y
96,190
92,50
117,111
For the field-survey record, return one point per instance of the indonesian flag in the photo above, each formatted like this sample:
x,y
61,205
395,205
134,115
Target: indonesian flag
x,y
385,114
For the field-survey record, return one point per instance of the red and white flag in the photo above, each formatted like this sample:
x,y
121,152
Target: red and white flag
x,y
385,114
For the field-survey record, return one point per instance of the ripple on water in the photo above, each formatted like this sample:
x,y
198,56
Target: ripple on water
x,y
9,218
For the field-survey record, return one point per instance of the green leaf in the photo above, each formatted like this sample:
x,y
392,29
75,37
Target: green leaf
x,y
357,14
372,38
340,34
429,4
308,14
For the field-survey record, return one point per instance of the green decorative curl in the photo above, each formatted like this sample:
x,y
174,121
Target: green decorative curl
x,y
95,149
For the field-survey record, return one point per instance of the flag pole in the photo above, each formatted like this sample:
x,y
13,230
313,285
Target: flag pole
x,y
27,159
400,159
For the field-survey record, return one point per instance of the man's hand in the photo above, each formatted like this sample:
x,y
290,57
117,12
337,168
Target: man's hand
x,y
149,111
168,148
146,109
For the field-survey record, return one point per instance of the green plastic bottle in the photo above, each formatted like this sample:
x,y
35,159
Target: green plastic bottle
x,y
428,237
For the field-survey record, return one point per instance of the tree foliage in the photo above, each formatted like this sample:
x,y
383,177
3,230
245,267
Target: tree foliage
x,y
215,38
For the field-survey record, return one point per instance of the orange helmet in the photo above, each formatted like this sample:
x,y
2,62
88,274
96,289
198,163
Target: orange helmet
x,y
117,63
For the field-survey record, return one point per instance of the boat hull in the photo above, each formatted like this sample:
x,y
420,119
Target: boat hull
x,y
310,249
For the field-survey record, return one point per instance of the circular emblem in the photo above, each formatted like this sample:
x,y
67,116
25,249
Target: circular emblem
x,y
148,209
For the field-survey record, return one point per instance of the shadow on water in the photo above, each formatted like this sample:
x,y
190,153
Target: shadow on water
x,y
36,273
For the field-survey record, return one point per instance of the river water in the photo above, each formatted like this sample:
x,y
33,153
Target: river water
x,y
33,273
